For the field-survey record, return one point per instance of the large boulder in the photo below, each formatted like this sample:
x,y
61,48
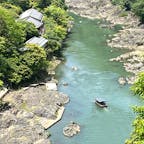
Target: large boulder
x,y
51,86
71,129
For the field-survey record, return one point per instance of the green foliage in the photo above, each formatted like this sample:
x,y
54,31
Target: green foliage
x,y
58,14
138,87
3,66
45,3
10,29
126,4
59,3
137,136
16,66
40,3
56,21
3,48
35,58
123,14
14,8
53,45
137,6
138,9
17,71
24,4
53,30
1,83
26,65
139,111
29,29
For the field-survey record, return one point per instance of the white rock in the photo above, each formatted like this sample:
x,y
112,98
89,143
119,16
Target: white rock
x,y
74,68
3,92
51,86
26,88
122,81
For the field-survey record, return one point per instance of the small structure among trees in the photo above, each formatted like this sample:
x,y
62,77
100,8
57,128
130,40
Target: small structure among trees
x,y
40,41
33,16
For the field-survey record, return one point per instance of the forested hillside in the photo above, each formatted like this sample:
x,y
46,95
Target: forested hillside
x,y
18,66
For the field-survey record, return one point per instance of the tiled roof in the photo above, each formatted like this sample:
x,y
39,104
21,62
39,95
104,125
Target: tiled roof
x,y
40,41
33,16
31,13
37,23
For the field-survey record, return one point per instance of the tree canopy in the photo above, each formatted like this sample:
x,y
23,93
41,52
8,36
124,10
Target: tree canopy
x,y
18,66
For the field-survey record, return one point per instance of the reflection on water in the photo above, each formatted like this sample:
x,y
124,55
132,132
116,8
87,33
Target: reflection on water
x,y
95,77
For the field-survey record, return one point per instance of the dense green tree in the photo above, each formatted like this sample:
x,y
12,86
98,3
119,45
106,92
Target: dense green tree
x,y
29,29
19,66
24,4
10,28
56,21
3,69
40,3
3,47
26,65
14,8
35,58
58,14
17,71
138,9
138,87
45,3
59,3
1,83
53,30
137,136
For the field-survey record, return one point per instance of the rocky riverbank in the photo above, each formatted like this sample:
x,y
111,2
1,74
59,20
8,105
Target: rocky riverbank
x,y
31,110
130,37
102,9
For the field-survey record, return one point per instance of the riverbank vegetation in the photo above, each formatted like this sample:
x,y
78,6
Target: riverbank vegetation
x,y
136,6
18,66
137,136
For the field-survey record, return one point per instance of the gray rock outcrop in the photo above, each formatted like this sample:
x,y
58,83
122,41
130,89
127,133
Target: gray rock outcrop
x,y
71,129
21,124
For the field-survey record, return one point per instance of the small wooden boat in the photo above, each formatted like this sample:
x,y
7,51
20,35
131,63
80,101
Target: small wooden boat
x,y
100,103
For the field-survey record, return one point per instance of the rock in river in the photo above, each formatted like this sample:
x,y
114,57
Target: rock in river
x,y
71,129
122,81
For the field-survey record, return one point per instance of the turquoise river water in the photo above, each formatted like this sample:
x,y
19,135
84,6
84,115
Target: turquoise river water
x,y
96,77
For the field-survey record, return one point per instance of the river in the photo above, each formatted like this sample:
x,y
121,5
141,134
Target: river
x,y
86,49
